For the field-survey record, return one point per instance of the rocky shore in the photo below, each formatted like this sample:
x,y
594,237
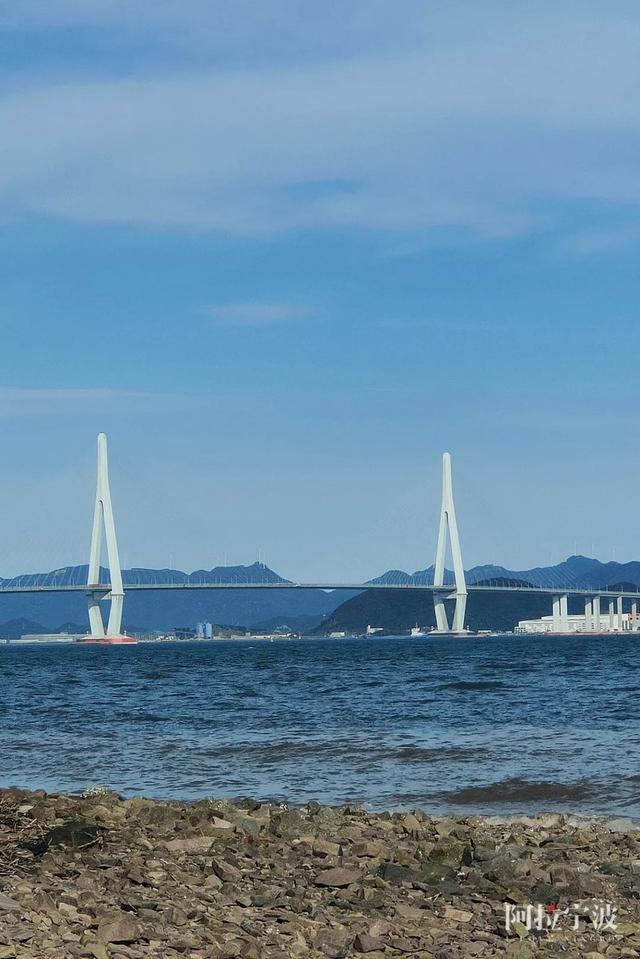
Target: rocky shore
x,y
105,878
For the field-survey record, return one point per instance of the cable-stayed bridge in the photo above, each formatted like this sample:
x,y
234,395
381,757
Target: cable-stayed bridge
x,y
449,591
457,591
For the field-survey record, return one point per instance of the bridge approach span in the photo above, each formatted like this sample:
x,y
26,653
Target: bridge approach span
x,y
447,590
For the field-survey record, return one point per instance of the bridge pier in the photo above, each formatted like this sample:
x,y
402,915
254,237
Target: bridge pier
x,y
442,620
560,618
564,613
634,616
620,614
588,614
597,614
449,527
103,518
612,615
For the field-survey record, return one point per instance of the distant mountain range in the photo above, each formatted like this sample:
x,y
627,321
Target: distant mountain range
x,y
396,610
77,576
303,609
576,572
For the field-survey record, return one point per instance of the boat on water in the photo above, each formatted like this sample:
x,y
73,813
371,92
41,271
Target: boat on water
x,y
109,641
417,632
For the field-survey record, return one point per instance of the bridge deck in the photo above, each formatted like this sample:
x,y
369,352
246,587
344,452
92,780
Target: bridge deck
x,y
484,588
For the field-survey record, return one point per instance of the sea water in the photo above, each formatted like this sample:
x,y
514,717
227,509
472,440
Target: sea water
x,y
491,725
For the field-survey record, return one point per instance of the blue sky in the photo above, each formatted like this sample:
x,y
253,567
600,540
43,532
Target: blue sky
x,y
286,253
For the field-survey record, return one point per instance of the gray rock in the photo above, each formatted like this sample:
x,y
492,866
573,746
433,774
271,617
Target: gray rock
x,y
122,928
451,852
333,942
484,853
621,825
393,872
435,872
367,943
7,904
337,878
225,870
288,824
194,845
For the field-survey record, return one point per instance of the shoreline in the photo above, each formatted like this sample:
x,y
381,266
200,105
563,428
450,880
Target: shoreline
x,y
144,640
495,812
100,876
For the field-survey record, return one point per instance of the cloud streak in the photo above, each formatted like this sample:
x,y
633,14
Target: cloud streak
x,y
255,315
442,325
24,401
485,134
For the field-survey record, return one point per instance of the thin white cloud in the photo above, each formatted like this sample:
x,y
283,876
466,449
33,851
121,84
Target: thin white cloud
x,y
23,401
478,129
254,314
230,25
68,393
441,325
596,242
77,13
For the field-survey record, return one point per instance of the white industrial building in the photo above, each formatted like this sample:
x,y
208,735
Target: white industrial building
x,y
609,623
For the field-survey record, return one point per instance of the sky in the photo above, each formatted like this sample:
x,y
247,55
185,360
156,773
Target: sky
x,y
286,253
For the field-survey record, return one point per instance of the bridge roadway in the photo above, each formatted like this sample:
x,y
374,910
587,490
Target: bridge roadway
x,y
449,589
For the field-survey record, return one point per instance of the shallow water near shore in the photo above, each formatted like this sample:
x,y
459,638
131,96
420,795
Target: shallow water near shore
x,y
500,725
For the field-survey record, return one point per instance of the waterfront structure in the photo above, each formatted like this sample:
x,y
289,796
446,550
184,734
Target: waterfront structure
x,y
103,518
614,622
48,638
449,531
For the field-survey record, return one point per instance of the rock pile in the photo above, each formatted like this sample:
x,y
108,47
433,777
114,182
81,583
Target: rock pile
x,y
106,878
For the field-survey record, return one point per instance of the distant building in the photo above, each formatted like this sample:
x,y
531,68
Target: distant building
x,y
578,624
50,638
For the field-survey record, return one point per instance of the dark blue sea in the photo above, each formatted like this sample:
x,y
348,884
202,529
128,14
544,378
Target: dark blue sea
x,y
497,725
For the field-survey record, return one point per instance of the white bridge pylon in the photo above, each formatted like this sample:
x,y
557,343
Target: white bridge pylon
x,y
449,529
103,518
